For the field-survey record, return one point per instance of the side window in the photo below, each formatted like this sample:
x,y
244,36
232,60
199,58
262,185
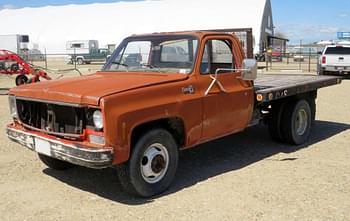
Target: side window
x,y
77,45
217,55
222,53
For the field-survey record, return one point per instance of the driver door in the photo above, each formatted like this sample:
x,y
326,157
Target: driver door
x,y
227,105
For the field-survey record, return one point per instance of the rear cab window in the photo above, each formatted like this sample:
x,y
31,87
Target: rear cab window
x,y
338,50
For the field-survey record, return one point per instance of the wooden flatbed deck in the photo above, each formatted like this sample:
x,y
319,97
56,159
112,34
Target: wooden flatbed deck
x,y
276,86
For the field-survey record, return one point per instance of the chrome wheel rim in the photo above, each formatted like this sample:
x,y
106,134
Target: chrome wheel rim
x,y
301,122
154,163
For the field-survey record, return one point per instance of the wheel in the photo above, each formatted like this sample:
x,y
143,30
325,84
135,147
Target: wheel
x,y
296,122
21,79
55,163
152,164
33,80
80,61
320,71
14,67
312,103
274,121
2,66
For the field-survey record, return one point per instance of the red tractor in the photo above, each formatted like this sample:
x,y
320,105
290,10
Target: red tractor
x,y
11,63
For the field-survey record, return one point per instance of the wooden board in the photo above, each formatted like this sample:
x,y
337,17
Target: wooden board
x,y
277,86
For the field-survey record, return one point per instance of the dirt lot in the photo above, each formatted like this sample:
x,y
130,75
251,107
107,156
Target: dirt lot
x,y
241,177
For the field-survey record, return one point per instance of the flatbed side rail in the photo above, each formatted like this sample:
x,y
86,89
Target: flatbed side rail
x,y
274,86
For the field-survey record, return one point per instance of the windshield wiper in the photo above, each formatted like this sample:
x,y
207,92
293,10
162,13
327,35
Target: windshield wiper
x,y
150,66
118,63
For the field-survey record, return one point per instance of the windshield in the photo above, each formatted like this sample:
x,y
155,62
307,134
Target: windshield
x,y
165,54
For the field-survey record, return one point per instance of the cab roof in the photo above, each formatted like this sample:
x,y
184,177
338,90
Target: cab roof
x,y
198,34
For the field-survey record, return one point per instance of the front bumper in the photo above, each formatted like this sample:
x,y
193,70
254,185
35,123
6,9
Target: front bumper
x,y
84,156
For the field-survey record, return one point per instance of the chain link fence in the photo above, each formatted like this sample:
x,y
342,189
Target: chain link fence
x,y
58,65
303,58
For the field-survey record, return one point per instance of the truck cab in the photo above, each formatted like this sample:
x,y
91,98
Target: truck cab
x,y
86,51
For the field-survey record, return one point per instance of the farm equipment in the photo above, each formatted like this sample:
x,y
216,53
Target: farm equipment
x,y
11,63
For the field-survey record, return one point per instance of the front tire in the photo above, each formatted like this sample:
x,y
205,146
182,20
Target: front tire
x,y
21,79
80,61
152,165
55,163
296,122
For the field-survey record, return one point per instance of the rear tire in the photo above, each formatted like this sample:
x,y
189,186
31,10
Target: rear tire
x,y
312,103
274,121
21,79
320,72
152,165
80,61
296,122
55,163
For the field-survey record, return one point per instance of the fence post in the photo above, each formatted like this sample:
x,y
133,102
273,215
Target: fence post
x,y
309,59
75,60
45,59
300,53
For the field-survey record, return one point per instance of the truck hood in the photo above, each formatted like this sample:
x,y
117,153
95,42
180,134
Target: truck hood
x,y
88,90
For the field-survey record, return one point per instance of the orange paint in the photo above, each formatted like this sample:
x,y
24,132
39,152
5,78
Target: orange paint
x,y
130,99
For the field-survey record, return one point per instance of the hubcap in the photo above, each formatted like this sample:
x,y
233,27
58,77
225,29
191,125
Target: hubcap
x,y
154,163
301,122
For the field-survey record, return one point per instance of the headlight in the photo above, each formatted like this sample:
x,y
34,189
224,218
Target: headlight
x,y
98,119
13,106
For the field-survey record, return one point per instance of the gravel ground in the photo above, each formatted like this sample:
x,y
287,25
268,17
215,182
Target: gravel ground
x,y
241,177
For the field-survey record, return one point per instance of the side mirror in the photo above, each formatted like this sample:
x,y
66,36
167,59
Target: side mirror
x,y
250,69
319,52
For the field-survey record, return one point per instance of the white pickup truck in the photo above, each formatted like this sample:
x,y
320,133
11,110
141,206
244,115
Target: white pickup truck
x,y
335,59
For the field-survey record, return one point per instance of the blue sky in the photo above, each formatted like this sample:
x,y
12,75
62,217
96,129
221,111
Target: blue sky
x,y
311,20
307,20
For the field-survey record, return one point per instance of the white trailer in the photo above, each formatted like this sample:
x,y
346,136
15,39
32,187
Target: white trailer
x,y
14,43
81,46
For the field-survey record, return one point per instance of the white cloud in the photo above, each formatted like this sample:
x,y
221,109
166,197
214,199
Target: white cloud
x,y
7,6
308,33
344,15
52,26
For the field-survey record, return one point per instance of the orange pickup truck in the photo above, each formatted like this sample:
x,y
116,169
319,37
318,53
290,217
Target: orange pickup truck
x,y
156,95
